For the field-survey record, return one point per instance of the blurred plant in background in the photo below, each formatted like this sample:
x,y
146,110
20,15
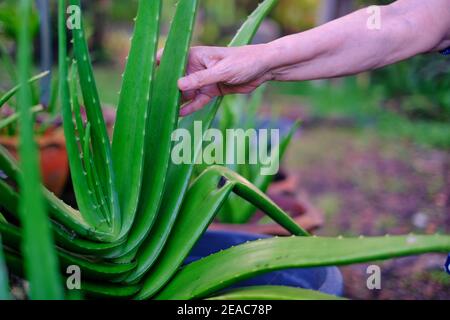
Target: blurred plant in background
x,y
417,88
10,21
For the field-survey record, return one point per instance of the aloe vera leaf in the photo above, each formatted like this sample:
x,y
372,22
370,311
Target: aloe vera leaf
x,y
204,198
53,106
91,269
133,108
11,93
163,120
75,103
92,177
84,194
68,240
250,27
242,210
81,246
273,293
202,202
96,270
13,118
108,291
178,176
64,238
223,269
4,288
100,141
59,211
252,194
41,264
84,135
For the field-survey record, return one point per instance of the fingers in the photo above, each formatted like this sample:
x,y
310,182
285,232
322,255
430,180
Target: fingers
x,y
200,79
188,95
198,103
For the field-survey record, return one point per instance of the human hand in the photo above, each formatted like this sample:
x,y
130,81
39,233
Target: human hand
x,y
216,71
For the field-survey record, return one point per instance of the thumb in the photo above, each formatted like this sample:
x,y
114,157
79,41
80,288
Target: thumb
x,y
201,79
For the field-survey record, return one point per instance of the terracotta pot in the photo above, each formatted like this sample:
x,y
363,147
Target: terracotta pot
x,y
284,195
53,157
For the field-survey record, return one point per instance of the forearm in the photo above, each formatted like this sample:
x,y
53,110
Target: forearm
x,y
347,46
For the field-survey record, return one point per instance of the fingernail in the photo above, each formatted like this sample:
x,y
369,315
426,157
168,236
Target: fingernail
x,y
183,84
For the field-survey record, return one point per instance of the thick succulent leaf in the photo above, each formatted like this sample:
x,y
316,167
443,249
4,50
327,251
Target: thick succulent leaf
x,y
102,157
252,194
84,194
59,211
108,291
241,211
128,143
178,176
8,95
64,238
162,120
14,117
91,268
250,27
226,268
94,269
273,293
4,288
41,264
75,103
202,202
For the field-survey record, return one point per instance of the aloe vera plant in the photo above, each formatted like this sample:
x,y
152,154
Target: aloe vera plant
x,y
138,214
240,112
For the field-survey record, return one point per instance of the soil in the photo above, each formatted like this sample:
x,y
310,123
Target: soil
x,y
368,185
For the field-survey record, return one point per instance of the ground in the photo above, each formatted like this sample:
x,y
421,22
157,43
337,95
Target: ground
x,y
370,184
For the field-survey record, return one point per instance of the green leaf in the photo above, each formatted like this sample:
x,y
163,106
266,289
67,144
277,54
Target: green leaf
x,y
8,95
13,118
84,195
251,25
132,112
178,176
162,120
64,238
108,291
273,293
226,268
102,157
61,212
4,289
202,202
41,264
91,268
241,211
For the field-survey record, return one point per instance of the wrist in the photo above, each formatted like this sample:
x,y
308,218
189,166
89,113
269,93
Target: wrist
x,y
273,55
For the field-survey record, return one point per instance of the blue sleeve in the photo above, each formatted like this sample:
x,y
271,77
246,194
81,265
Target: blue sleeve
x,y
446,52
447,265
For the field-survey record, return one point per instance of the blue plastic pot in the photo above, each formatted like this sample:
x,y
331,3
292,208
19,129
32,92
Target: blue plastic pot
x,y
325,279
